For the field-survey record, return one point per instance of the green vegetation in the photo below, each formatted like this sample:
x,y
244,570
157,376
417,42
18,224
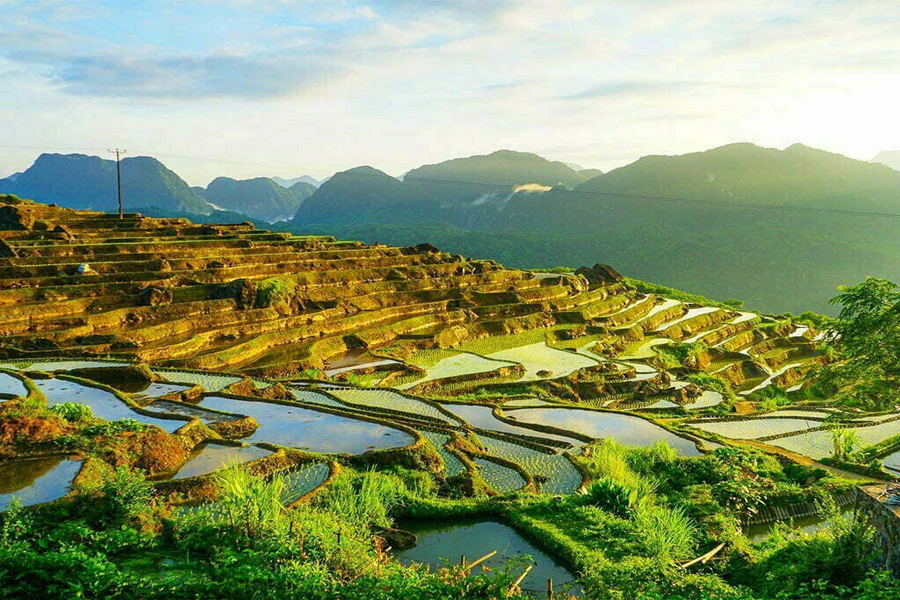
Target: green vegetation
x,y
867,336
668,292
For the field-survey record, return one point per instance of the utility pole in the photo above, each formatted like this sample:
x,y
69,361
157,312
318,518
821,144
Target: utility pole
x,y
118,154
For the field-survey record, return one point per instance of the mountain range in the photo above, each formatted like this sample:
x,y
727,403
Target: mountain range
x,y
776,228
260,197
290,182
89,182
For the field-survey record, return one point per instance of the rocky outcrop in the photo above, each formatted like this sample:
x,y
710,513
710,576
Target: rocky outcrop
x,y
154,296
600,274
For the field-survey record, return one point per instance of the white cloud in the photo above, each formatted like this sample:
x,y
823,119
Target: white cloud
x,y
319,86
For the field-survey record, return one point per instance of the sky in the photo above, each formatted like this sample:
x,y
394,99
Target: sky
x,y
245,88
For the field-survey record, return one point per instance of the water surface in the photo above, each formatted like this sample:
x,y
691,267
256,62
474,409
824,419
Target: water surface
x,y
36,480
627,429
303,428
440,542
104,405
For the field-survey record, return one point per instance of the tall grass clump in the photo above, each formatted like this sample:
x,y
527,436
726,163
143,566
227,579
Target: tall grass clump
x,y
363,498
247,500
610,460
665,532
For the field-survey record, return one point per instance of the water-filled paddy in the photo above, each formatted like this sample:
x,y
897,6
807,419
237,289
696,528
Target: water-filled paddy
x,y
212,457
627,429
892,461
541,357
33,481
104,405
463,363
158,389
502,479
302,428
440,542
483,417
756,428
11,385
812,524
188,410
210,382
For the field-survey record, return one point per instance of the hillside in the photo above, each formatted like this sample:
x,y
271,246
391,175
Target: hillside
x,y
89,182
505,167
294,180
744,173
797,258
260,197
204,390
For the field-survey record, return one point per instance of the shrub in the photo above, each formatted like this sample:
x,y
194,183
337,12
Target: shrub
x,y
72,411
612,497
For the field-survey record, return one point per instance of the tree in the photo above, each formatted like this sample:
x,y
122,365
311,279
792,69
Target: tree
x,y
866,335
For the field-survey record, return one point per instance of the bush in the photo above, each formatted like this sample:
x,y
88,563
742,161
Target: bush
x,y
612,497
72,411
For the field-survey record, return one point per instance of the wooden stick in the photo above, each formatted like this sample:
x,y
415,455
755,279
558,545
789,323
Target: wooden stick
x,y
549,588
516,583
703,558
480,560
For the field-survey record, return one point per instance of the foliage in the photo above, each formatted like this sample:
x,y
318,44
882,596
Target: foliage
x,y
866,335
845,442
72,411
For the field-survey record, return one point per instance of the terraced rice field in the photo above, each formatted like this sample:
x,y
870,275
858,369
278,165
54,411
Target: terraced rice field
x,y
752,429
892,461
103,404
303,480
452,465
37,480
12,386
690,314
628,429
211,382
456,364
309,429
814,444
390,400
560,474
818,444
483,417
644,350
208,458
707,399
541,357
501,479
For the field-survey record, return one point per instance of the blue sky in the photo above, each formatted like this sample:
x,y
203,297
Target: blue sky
x,y
285,87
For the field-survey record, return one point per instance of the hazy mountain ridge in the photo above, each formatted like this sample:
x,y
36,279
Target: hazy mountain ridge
x,y
294,180
796,258
89,182
890,158
260,197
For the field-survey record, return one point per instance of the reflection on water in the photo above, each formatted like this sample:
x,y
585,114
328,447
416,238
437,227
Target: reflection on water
x,y
37,480
11,385
302,428
104,405
212,457
627,429
443,541
483,417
